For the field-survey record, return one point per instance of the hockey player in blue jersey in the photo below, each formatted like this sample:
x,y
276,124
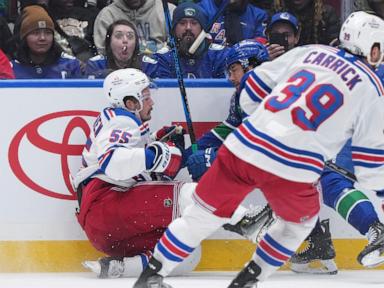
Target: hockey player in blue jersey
x,y
242,57
207,62
303,107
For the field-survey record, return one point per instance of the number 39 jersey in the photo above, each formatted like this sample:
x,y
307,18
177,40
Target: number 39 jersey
x,y
303,107
115,149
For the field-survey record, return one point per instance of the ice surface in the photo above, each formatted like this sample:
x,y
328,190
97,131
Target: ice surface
x,y
345,279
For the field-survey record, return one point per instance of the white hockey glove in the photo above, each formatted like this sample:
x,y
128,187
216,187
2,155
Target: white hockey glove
x,y
167,158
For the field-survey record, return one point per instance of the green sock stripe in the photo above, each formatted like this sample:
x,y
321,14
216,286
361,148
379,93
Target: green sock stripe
x,y
348,201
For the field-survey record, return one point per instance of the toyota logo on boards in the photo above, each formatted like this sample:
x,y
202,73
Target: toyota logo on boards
x,y
36,136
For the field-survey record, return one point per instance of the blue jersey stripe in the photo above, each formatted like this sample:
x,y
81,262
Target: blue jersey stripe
x,y
274,157
282,146
366,164
262,84
367,150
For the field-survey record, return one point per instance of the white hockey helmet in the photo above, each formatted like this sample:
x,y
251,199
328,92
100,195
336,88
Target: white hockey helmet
x,y
125,82
360,32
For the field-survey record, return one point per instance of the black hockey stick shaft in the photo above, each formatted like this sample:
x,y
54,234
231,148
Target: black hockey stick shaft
x,y
206,29
179,75
336,168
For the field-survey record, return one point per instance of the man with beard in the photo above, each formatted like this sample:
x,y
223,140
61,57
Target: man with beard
x,y
239,21
206,62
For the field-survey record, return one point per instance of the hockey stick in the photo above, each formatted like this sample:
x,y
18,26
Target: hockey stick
x,y
336,168
205,31
179,75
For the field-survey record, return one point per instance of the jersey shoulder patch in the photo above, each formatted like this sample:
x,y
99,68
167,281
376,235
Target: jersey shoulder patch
x,y
67,56
216,47
150,60
97,58
163,50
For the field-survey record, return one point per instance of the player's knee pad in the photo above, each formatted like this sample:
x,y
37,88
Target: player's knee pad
x,y
185,196
332,185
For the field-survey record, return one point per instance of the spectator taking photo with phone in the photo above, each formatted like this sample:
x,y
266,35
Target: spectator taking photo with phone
x,y
283,34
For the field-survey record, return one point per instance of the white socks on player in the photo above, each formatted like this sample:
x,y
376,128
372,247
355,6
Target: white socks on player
x,y
283,238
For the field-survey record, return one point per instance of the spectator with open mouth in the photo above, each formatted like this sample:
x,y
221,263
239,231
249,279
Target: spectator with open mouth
x,y
122,51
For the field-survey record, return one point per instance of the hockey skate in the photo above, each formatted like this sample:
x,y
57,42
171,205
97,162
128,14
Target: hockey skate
x,y
318,255
149,278
254,224
247,278
373,253
107,267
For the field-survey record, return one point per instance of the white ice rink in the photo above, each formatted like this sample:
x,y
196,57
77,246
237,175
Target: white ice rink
x,y
345,279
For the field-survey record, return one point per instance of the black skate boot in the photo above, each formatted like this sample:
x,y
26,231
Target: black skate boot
x,y
107,267
373,253
254,224
149,277
318,255
247,278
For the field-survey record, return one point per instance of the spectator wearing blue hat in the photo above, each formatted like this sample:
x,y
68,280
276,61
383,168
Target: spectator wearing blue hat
x,y
320,22
283,34
207,62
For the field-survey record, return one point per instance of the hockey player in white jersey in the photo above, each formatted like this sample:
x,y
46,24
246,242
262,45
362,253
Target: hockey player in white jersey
x,y
125,189
303,107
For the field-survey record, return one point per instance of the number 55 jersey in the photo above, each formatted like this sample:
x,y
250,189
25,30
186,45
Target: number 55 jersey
x,y
303,107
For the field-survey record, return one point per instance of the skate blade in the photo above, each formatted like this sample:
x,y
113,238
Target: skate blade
x,y
94,266
373,259
327,267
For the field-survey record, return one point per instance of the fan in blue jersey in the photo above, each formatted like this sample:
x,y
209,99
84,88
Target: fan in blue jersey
x,y
241,20
206,62
303,108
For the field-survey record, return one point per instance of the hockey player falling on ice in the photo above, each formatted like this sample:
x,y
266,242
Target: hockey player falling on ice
x,y
309,102
125,189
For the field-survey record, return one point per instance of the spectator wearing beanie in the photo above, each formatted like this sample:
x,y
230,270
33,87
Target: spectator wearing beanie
x,y
38,55
207,62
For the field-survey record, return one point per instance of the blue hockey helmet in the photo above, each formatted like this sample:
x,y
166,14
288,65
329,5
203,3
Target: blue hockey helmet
x,y
247,52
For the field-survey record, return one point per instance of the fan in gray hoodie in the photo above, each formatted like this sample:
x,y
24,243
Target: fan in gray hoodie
x,y
147,15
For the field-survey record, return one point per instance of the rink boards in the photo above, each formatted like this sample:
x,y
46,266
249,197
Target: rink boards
x,y
45,123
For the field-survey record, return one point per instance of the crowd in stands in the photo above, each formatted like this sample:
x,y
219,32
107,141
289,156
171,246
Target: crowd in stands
x,y
91,38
